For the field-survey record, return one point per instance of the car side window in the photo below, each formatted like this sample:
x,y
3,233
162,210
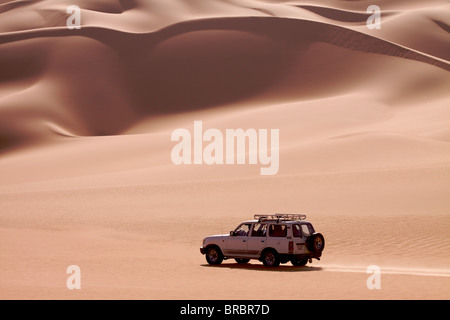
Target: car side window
x,y
277,230
296,231
306,230
242,230
259,230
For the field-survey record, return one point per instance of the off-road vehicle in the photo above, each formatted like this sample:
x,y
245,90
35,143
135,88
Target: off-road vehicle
x,y
272,239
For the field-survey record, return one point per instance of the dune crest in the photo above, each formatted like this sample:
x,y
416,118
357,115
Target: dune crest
x,y
207,63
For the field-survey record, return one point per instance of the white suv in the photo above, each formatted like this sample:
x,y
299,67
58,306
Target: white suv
x,y
272,239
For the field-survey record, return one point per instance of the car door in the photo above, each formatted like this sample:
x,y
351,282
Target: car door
x,y
299,239
307,230
237,241
257,239
277,237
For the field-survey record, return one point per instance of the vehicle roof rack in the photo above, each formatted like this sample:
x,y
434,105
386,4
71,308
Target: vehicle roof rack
x,y
280,217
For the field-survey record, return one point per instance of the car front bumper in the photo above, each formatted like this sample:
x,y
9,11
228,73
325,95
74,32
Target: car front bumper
x,y
202,250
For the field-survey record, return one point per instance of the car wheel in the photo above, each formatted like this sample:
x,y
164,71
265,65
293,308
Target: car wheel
x,y
270,258
316,243
214,256
242,261
299,262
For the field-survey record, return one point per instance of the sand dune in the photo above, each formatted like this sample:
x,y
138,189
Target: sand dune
x,y
85,123
171,58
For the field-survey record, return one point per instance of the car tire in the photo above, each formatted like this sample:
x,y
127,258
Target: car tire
x,y
316,243
214,256
242,261
270,258
299,262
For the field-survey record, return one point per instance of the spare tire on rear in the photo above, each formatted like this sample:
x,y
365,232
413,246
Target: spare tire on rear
x,y
316,243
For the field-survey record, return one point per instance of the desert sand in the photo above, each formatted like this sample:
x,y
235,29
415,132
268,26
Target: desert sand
x,y
86,117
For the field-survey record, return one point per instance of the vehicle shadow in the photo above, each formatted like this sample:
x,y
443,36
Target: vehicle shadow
x,y
261,267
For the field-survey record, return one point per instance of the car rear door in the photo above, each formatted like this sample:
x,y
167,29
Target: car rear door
x,y
276,239
299,239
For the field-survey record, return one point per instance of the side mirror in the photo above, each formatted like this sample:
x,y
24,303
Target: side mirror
x,y
231,233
